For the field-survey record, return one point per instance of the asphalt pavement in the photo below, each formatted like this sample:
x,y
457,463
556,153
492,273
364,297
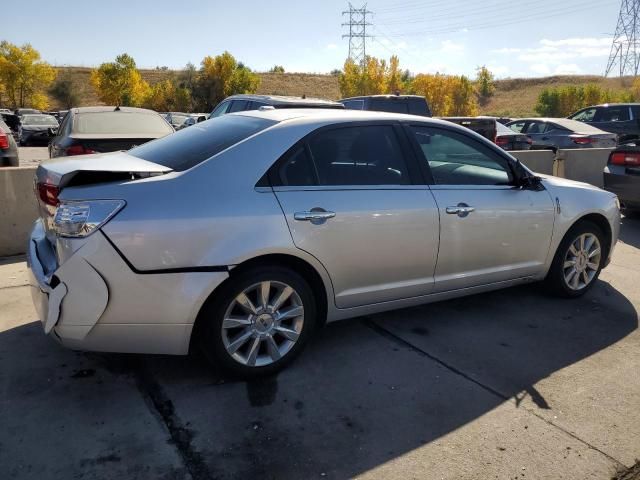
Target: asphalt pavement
x,y
509,384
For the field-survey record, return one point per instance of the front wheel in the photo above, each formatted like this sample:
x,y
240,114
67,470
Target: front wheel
x,y
578,261
258,322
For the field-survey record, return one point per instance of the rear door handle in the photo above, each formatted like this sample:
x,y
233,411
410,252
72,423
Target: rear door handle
x,y
316,216
462,210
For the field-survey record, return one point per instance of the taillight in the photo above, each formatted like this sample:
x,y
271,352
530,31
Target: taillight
x,y
4,140
78,150
502,141
48,194
625,159
581,140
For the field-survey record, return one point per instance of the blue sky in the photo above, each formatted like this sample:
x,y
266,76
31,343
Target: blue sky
x,y
455,36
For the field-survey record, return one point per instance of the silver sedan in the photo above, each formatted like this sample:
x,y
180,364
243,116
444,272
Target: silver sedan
x,y
243,234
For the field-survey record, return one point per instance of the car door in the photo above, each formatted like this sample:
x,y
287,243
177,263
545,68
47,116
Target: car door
x,y
351,200
537,131
490,230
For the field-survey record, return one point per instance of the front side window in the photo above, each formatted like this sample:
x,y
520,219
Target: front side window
x,y
238,106
586,115
455,159
362,155
220,109
517,126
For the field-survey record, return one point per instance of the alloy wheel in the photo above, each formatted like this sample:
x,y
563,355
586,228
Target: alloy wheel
x,y
262,323
582,261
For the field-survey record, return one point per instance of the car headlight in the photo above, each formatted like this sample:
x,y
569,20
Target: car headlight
x,y
617,200
81,219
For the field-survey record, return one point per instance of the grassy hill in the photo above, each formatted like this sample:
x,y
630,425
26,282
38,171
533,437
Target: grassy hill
x,y
513,97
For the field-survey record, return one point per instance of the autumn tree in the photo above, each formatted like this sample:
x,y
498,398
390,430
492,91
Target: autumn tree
x,y
221,76
24,75
447,95
66,91
168,96
395,81
120,82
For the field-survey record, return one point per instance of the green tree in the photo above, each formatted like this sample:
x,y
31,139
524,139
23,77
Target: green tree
x,y
24,75
485,82
277,69
66,91
120,82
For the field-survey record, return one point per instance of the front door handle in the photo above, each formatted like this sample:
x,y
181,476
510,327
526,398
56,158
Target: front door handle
x,y
462,210
316,215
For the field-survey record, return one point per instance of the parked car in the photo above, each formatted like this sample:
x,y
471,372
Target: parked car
x,y
412,104
623,119
8,147
176,119
36,129
88,130
5,110
241,103
192,119
556,133
510,140
485,126
622,176
26,111
13,121
245,234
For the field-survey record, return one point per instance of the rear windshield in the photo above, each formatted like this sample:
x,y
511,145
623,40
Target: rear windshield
x,y
191,146
120,123
576,126
39,120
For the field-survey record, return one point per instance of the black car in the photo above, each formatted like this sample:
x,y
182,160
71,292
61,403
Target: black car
x,y
240,103
106,129
8,147
411,104
622,176
13,121
622,119
36,129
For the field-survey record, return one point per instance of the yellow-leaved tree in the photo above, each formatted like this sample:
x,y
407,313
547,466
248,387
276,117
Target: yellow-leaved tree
x,y
221,76
166,96
447,95
24,75
120,82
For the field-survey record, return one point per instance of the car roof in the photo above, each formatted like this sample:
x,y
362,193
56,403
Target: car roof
x,y
388,95
329,115
111,109
283,100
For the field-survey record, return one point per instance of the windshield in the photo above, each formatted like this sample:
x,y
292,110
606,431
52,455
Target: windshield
x,y
47,120
191,146
503,129
121,123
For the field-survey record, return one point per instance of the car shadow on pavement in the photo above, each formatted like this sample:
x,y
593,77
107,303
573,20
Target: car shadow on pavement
x,y
630,231
366,392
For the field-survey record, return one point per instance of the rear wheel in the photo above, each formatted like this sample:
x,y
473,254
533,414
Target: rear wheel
x,y
578,261
258,322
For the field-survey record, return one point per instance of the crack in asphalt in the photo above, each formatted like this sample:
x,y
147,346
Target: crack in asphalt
x,y
161,405
401,341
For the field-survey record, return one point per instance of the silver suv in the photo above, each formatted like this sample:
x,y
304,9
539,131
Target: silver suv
x,y
244,234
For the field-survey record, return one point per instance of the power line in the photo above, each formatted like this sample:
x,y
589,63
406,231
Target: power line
x,y
357,32
625,51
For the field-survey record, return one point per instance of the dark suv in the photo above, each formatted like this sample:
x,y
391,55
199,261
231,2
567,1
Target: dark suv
x,y
412,104
622,119
240,103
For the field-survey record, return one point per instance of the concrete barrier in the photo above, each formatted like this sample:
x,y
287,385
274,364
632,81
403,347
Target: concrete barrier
x,y
582,165
18,208
540,161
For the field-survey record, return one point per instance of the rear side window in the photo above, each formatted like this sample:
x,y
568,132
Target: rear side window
x,y
191,146
354,104
120,123
612,114
537,127
367,155
393,106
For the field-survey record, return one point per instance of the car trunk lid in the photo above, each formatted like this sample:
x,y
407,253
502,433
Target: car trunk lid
x,y
94,143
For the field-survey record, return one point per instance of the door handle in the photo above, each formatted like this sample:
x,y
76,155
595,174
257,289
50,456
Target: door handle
x,y
462,210
316,216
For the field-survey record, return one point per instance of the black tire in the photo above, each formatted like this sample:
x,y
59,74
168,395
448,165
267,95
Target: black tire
x,y
212,315
555,281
